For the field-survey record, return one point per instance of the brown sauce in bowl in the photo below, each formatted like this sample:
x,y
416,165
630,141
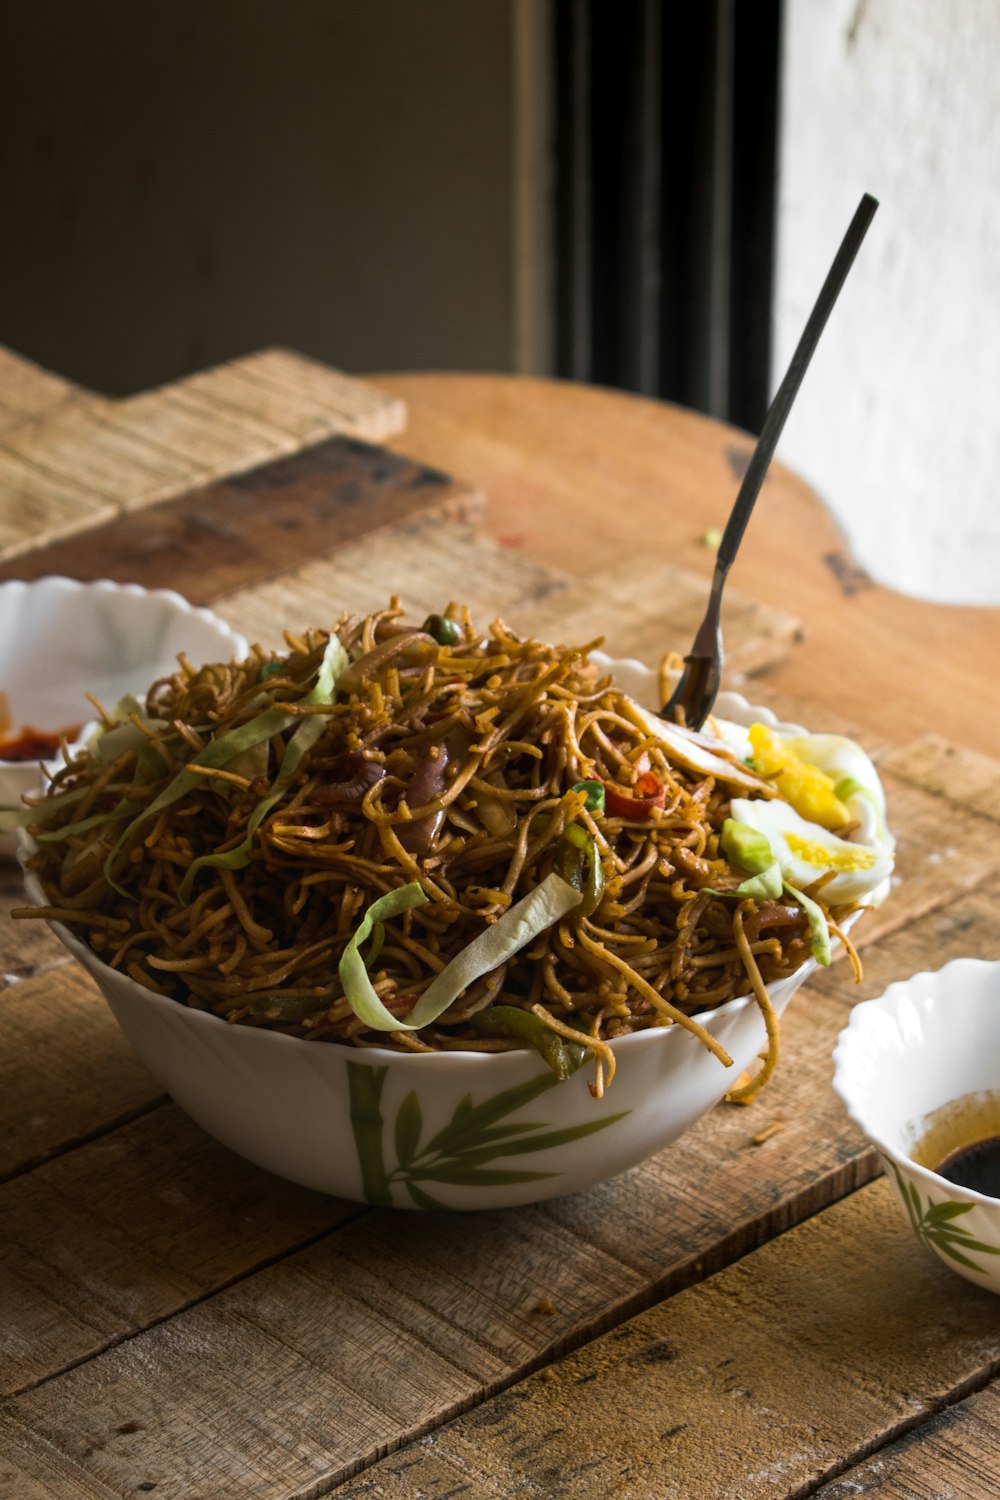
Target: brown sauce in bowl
x,y
976,1166
961,1142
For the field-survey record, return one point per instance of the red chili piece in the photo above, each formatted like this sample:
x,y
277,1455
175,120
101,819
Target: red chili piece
x,y
647,792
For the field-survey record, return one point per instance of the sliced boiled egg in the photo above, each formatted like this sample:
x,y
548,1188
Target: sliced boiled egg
x,y
827,778
805,851
855,780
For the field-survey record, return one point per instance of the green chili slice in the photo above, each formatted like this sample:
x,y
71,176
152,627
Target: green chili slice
x,y
579,863
510,1020
595,795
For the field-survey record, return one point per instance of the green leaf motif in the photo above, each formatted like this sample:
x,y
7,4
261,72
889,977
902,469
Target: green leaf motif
x,y
461,1130
936,1227
458,1153
409,1126
945,1210
422,1199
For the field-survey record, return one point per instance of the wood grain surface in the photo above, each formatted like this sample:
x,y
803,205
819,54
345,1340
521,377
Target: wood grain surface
x,y
458,1304
430,561
253,526
592,479
70,460
769,1372
744,1315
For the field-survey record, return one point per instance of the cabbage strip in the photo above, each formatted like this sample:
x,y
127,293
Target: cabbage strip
x,y
540,909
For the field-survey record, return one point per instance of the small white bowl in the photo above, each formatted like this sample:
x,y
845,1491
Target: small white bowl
x,y
60,639
458,1130
927,1042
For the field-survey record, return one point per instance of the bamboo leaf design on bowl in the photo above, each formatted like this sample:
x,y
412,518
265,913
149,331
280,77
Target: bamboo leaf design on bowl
x,y
458,1154
936,1225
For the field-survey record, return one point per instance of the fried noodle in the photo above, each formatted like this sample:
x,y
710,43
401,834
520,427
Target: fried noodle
x,y
458,765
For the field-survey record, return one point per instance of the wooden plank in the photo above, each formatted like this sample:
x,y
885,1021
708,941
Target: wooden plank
x,y
427,562
303,405
66,1071
31,1469
390,1325
129,1229
755,1383
28,393
645,608
953,1456
939,765
38,506
253,526
166,421
430,562
82,458
76,444
343,402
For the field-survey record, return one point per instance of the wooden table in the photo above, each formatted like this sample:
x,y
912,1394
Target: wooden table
x,y
745,1315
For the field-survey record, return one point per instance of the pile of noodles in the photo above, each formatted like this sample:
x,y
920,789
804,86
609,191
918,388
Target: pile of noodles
x,y
441,756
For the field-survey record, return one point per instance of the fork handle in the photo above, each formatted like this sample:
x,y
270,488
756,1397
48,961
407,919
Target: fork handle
x,y
788,389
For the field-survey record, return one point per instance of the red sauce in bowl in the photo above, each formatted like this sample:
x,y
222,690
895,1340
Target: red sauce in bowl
x,y
35,744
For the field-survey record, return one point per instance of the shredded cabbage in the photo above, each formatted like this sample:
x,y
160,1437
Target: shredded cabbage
x,y
309,730
542,907
223,751
818,929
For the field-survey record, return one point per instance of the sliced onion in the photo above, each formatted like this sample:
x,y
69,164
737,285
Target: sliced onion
x,y
416,645
426,783
363,774
699,752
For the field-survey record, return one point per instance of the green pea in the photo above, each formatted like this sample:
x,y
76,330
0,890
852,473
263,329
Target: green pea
x,y
446,632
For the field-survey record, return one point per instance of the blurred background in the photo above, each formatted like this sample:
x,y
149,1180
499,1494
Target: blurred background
x,y
634,193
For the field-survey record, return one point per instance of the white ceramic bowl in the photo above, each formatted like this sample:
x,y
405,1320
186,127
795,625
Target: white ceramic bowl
x,y
60,639
928,1041
421,1130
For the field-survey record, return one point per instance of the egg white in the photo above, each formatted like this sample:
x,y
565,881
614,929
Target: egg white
x,y
805,851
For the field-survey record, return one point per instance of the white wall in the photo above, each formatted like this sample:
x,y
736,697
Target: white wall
x,y
897,425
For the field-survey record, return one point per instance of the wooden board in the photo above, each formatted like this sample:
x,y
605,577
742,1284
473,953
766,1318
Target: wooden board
x,y
177,1322
252,526
30,394
70,460
751,1384
953,1456
459,1304
652,609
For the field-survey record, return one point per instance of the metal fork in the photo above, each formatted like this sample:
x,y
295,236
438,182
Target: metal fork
x,y
692,699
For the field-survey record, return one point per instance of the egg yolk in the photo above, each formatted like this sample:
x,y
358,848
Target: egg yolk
x,y
821,857
808,789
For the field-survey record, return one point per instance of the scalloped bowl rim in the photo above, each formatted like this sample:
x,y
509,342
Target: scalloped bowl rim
x,y
58,583
853,1036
